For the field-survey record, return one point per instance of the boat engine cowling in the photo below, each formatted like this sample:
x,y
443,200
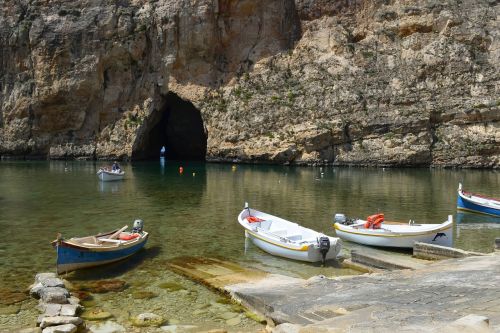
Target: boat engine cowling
x,y
340,218
138,226
324,247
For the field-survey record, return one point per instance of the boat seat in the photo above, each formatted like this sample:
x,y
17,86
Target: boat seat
x,y
265,225
296,237
279,233
111,240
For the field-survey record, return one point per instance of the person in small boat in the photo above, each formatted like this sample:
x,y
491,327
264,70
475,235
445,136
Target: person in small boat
x,y
115,167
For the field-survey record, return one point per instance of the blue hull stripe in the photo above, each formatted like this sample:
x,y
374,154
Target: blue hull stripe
x,y
67,255
471,206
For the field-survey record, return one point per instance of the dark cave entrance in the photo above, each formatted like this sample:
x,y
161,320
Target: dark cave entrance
x,y
180,129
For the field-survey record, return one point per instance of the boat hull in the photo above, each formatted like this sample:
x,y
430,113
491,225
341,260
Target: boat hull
x,y
107,176
70,258
466,204
441,235
306,253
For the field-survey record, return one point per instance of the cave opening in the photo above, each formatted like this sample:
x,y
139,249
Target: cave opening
x,y
179,129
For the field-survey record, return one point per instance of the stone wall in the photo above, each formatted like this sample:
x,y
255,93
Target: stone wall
x,y
388,83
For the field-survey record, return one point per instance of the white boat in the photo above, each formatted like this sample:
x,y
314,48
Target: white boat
x,y
287,239
106,175
393,234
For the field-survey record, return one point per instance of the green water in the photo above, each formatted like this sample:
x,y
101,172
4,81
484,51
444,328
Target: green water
x,y
194,214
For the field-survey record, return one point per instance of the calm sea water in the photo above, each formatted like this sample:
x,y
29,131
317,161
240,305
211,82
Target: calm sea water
x,y
194,214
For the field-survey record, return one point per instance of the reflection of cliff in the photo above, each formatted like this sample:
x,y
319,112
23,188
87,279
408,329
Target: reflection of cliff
x,y
342,82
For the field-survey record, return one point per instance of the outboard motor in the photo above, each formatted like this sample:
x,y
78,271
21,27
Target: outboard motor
x,y
340,218
324,247
138,226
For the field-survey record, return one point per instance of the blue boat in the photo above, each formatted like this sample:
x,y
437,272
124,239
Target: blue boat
x,y
100,249
477,203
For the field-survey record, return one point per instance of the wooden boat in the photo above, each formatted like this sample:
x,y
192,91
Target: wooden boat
x,y
393,234
83,252
107,175
287,239
477,203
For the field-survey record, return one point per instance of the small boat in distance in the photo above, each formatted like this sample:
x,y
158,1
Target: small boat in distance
x,y
477,203
100,249
283,238
107,175
376,232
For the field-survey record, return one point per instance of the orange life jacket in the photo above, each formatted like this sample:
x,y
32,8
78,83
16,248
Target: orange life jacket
x,y
374,221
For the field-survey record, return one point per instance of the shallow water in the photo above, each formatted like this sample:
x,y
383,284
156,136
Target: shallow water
x,y
194,214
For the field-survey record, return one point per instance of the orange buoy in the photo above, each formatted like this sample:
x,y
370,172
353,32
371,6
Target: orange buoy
x,y
181,170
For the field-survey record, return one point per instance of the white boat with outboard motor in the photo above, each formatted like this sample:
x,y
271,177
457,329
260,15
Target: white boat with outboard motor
x,y
107,175
287,239
377,232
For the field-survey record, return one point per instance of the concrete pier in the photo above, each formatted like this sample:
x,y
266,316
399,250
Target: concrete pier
x,y
431,298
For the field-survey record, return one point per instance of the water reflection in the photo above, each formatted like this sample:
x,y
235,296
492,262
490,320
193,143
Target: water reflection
x,y
162,165
463,217
110,187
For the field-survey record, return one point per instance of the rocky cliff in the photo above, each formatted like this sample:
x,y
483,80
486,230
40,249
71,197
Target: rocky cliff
x,y
381,82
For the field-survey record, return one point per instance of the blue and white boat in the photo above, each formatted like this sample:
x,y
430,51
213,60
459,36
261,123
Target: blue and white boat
x,y
100,249
477,203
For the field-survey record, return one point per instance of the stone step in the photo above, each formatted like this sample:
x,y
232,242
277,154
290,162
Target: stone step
x,y
386,260
215,273
437,252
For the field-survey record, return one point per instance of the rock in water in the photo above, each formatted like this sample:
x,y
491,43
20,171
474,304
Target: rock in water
x,y
54,295
60,320
107,327
67,328
147,319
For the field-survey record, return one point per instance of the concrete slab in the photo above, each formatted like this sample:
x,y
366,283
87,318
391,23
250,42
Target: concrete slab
x,y
383,260
426,299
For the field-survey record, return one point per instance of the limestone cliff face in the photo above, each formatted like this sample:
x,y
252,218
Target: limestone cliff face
x,y
340,82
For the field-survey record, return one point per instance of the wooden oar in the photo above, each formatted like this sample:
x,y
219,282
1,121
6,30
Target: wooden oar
x,y
116,234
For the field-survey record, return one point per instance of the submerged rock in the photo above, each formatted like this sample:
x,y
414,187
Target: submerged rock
x,y
233,321
9,297
96,314
171,286
142,294
101,286
147,319
107,327
10,309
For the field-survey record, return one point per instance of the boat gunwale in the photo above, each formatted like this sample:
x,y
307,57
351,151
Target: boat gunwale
x,y
479,203
98,248
347,229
